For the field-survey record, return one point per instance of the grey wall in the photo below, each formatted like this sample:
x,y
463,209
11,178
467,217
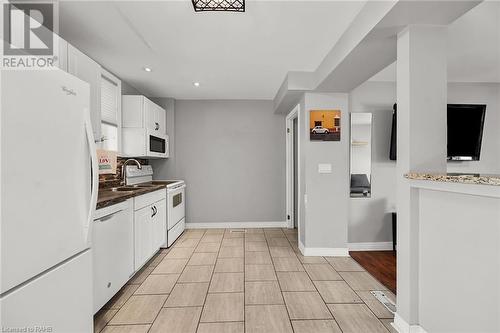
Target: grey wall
x,y
232,156
370,219
127,89
480,93
327,206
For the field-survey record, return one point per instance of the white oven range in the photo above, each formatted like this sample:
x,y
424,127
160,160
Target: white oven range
x,y
176,210
176,198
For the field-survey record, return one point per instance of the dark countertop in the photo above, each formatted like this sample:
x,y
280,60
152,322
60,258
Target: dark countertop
x,y
106,197
465,178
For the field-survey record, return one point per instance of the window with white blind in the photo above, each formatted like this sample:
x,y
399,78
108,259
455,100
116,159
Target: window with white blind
x,y
110,112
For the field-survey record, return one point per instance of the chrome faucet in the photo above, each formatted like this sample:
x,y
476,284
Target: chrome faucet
x,y
139,166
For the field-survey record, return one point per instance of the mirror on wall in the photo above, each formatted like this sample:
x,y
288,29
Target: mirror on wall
x,y
361,155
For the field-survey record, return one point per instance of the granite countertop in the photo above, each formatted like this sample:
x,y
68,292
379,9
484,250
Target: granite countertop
x,y
483,179
107,197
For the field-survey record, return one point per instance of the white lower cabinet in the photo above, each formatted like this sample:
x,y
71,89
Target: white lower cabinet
x,y
113,250
149,225
143,238
160,224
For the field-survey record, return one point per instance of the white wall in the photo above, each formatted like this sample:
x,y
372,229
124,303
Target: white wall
x,y
370,219
326,210
459,256
232,156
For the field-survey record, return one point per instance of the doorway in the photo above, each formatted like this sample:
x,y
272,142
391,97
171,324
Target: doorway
x,y
292,123
295,169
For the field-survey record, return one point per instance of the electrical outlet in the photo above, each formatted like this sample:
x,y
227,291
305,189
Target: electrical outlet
x,y
324,168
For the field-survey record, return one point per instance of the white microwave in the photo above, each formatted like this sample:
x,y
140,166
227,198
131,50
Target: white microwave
x,y
139,142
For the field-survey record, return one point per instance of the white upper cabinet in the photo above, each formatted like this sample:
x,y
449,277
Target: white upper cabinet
x,y
154,116
138,111
89,71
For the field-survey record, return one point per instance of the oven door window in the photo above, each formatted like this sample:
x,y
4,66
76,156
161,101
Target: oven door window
x,y
177,199
156,144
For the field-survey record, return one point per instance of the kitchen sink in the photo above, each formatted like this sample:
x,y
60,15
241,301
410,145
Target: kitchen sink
x,y
125,189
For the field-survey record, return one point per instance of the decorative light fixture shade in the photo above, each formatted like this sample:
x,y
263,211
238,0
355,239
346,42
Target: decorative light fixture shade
x,y
219,5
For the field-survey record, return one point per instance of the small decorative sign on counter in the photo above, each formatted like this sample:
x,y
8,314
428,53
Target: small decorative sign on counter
x,y
107,161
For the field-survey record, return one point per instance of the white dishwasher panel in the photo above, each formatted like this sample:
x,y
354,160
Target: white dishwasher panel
x,y
113,251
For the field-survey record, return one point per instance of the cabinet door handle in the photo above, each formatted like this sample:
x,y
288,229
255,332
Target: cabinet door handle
x,y
153,213
157,126
107,217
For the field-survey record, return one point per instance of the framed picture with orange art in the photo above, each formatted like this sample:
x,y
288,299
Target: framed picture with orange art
x,y
324,125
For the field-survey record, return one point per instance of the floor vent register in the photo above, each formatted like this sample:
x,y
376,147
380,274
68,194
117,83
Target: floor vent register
x,y
382,298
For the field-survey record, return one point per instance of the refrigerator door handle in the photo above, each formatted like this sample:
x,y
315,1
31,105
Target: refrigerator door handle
x,y
95,177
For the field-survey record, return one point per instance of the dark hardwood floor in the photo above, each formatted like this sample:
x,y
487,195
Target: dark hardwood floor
x,y
380,264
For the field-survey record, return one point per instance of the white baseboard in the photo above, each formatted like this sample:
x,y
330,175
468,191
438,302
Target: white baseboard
x,y
302,248
325,252
402,326
371,246
237,225
322,251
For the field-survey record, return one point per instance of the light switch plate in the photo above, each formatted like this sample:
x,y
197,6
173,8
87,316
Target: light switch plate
x,y
324,168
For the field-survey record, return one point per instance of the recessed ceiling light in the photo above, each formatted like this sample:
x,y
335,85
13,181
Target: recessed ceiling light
x,y
147,69
196,84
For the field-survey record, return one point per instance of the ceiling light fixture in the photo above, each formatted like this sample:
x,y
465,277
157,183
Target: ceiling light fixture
x,y
147,69
219,5
196,84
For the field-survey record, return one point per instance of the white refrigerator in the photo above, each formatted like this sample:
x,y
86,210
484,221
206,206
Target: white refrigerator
x,y
49,185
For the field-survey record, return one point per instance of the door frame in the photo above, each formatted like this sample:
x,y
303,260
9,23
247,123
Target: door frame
x,y
289,167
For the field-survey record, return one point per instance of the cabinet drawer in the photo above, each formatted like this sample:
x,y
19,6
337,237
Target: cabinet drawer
x,y
175,232
147,199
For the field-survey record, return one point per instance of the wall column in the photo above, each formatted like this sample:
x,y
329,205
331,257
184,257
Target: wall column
x,y
421,129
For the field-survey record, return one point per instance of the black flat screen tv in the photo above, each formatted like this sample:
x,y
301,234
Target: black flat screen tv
x,y
465,132
392,152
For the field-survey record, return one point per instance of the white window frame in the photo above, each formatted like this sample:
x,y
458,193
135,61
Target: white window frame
x,y
106,75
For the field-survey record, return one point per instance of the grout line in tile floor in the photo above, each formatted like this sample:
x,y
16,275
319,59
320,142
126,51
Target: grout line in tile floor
x,y
278,280
211,276
268,235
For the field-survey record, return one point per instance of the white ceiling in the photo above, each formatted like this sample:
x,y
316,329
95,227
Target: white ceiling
x,y
233,55
473,47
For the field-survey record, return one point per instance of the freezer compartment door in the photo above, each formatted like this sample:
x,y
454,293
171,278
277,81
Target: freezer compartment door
x,y
46,187
60,300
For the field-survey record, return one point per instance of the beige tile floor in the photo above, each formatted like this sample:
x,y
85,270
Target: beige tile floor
x,y
252,281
